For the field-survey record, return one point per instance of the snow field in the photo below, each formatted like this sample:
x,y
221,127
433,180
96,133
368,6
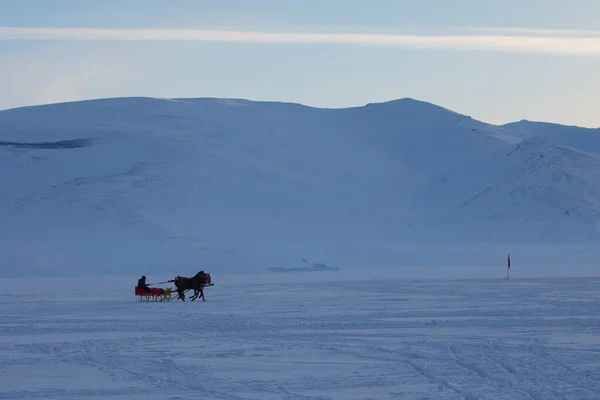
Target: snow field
x,y
334,339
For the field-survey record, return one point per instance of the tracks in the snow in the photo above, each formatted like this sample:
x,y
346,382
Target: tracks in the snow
x,y
458,340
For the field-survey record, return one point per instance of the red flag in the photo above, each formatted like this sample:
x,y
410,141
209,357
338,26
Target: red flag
x,y
509,261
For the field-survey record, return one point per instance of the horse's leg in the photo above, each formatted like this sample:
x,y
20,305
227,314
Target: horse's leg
x,y
181,293
195,296
198,292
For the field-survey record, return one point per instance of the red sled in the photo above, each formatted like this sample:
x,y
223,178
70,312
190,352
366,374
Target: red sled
x,y
155,294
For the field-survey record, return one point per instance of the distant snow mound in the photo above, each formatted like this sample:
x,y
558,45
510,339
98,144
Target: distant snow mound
x,y
411,105
536,191
585,139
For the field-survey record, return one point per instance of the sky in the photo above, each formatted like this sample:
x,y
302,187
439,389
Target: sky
x,y
498,61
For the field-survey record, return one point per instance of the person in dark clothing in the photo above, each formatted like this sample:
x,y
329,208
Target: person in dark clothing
x,y
142,284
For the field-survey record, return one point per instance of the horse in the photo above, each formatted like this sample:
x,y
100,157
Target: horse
x,y
195,283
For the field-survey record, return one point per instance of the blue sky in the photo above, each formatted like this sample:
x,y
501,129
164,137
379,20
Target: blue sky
x,y
498,61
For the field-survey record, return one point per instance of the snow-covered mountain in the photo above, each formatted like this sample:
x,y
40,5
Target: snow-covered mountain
x,y
533,192
585,139
143,184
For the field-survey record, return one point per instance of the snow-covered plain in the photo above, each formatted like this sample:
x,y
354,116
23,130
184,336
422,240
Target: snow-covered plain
x,y
336,337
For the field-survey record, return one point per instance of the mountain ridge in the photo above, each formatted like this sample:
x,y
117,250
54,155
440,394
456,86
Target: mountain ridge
x,y
247,101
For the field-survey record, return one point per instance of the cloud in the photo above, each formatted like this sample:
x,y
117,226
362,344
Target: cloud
x,y
538,31
515,40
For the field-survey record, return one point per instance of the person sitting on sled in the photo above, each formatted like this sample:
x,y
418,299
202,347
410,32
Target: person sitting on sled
x,y
142,284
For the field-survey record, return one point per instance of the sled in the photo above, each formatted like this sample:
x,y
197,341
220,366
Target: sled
x,y
155,294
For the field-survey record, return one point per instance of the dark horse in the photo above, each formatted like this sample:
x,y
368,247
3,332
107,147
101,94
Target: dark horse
x,y
195,283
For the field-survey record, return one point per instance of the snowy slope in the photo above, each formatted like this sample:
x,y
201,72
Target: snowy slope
x,y
585,139
233,183
535,191
170,184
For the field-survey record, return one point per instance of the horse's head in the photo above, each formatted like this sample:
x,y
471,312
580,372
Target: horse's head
x,y
204,276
